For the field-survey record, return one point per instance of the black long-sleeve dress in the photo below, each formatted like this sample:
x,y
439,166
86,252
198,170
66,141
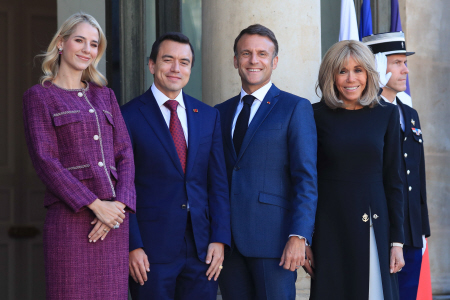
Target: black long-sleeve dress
x,y
358,162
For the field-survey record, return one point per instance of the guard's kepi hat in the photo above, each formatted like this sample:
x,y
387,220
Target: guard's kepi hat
x,y
388,43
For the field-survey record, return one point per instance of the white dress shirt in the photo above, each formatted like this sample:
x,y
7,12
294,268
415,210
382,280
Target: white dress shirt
x,y
181,109
402,120
259,97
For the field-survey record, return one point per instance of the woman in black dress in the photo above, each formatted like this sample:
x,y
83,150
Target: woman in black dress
x,y
357,242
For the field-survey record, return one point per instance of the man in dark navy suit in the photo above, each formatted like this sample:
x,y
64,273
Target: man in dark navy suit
x,y
270,147
182,220
391,55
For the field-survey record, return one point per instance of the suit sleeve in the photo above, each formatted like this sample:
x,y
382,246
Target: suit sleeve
x,y
218,195
43,148
123,155
135,234
135,240
423,192
391,177
302,143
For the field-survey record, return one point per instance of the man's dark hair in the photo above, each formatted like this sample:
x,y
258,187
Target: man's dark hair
x,y
171,36
259,30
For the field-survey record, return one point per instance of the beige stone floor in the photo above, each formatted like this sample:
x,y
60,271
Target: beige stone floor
x,y
302,286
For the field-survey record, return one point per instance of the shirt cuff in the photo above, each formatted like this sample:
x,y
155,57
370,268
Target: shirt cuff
x,y
300,237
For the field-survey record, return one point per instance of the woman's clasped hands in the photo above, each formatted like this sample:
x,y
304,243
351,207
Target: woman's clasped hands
x,y
108,215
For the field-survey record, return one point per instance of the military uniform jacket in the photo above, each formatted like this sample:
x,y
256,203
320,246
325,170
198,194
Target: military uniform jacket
x,y
416,222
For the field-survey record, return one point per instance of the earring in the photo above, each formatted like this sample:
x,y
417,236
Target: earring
x,y
60,50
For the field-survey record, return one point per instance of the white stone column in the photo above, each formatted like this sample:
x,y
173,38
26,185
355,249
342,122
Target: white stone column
x,y
427,27
296,24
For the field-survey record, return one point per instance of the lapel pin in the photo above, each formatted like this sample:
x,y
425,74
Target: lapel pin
x,y
365,218
413,122
268,102
195,110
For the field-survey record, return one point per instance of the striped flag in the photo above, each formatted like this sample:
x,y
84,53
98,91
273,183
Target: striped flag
x,y
349,25
396,22
365,21
396,25
424,290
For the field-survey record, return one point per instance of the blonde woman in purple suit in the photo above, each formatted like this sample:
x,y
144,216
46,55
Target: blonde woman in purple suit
x,y
81,150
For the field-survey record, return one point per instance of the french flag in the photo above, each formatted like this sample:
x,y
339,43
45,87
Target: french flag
x,y
349,24
365,20
396,25
424,291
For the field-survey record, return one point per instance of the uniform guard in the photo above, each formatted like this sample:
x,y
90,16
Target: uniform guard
x,y
390,53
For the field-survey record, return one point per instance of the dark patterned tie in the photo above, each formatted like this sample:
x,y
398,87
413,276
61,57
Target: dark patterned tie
x,y
242,123
177,132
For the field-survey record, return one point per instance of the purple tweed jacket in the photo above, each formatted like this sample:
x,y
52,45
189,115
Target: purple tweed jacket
x,y
79,145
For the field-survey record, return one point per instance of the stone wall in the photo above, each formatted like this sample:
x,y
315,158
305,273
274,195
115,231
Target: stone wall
x,y
427,27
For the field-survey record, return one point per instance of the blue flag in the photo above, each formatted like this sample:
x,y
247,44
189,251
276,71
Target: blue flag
x,y
396,25
396,22
365,23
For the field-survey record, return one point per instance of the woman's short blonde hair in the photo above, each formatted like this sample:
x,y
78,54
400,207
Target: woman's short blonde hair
x,y
50,63
334,60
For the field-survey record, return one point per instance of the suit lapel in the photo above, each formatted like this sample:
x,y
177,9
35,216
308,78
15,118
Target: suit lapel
x,y
193,121
406,117
267,105
229,125
152,113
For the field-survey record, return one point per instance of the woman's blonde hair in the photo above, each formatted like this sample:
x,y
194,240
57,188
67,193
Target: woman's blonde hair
x,y
334,60
50,63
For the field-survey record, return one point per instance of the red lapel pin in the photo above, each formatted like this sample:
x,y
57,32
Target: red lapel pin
x,y
268,102
195,110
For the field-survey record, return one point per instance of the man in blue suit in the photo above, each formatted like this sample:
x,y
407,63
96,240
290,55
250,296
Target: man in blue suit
x,y
182,220
270,147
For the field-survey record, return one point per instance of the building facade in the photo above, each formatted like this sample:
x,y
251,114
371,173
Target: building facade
x,y
305,30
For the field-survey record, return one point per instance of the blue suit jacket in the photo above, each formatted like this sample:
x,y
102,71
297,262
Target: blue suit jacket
x,y
416,221
162,190
273,181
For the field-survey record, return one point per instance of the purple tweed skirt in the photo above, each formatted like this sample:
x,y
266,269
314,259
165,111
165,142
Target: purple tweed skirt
x,y
78,270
